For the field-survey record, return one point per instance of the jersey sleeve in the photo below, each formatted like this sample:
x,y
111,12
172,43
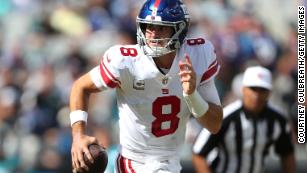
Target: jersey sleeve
x,y
96,78
107,74
213,65
209,92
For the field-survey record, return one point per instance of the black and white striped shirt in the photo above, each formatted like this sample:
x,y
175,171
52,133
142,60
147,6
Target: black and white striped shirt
x,y
243,142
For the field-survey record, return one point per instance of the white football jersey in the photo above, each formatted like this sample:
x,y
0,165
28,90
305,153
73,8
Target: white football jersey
x,y
152,111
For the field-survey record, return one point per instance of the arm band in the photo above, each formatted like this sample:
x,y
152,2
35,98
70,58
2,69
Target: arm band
x,y
196,104
78,115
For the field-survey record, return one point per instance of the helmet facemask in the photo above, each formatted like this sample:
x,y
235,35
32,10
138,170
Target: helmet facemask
x,y
171,44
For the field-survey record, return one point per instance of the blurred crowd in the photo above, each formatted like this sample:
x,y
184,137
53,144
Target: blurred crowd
x,y
46,44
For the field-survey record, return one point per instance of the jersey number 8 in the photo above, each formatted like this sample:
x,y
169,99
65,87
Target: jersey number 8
x,y
157,111
196,41
128,51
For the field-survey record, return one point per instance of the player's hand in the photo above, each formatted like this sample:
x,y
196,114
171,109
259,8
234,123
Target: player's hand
x,y
79,146
187,75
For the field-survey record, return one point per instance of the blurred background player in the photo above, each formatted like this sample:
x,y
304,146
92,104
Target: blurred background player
x,y
159,83
250,127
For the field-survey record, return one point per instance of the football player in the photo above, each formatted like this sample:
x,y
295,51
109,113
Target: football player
x,y
159,82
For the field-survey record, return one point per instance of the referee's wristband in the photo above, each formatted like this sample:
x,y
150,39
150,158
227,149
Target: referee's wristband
x,y
78,115
196,104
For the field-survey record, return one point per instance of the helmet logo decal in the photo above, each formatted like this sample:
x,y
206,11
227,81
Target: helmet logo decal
x,y
154,12
155,8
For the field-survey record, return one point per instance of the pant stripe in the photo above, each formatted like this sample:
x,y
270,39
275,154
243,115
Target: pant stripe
x,y
130,166
123,165
126,165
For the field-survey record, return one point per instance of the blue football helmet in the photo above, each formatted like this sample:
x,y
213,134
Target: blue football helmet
x,y
171,13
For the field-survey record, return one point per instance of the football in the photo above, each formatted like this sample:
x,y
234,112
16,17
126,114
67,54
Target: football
x,y
100,157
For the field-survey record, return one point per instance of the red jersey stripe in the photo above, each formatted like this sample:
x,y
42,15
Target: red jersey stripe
x,y
109,82
109,73
212,64
210,72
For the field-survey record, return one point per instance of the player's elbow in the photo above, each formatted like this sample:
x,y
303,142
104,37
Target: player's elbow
x,y
77,87
213,118
218,121
83,85
215,130
78,91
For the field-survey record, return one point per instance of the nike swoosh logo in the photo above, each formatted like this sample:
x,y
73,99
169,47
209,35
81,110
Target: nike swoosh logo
x,y
108,59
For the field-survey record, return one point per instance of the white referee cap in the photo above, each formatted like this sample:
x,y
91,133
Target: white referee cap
x,y
257,76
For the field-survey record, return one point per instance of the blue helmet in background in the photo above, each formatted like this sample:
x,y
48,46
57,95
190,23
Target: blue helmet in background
x,y
171,13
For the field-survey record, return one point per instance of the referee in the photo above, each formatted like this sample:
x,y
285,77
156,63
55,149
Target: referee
x,y
250,127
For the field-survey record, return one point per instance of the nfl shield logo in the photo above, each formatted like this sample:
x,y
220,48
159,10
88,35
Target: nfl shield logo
x,y
165,80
